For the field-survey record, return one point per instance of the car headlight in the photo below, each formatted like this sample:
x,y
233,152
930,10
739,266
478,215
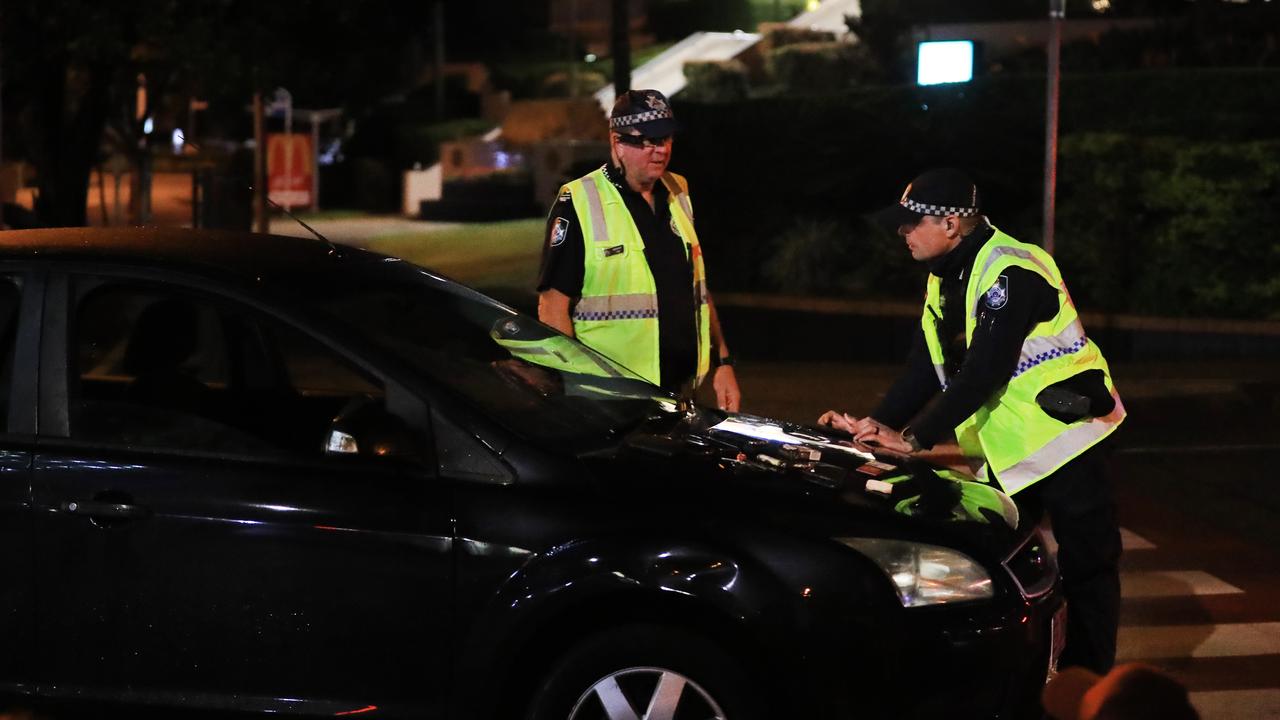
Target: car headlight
x,y
926,574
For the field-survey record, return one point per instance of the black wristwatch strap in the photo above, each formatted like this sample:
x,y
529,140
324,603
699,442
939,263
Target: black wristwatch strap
x,y
725,360
910,437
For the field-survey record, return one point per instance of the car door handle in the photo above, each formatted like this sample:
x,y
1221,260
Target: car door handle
x,y
104,510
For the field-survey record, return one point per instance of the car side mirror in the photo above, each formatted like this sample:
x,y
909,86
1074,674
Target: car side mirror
x,y
365,427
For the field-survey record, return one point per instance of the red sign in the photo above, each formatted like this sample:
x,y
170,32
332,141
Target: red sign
x,y
290,168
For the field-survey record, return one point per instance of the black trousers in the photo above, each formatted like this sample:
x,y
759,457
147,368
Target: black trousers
x,y
1082,510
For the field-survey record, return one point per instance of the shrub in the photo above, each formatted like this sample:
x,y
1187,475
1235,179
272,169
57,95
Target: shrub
x,y
810,256
715,81
777,35
1169,227
558,84
819,66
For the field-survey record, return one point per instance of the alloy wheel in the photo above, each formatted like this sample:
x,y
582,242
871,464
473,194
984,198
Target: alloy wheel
x,y
646,693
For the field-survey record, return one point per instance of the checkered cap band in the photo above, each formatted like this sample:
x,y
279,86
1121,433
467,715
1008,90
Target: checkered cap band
x,y
615,315
636,119
938,210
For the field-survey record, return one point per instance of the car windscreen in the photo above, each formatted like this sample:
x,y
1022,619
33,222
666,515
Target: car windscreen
x,y
541,384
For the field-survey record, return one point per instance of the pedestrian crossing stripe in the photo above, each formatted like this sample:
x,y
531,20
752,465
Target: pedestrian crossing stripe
x,y
1198,641
1173,583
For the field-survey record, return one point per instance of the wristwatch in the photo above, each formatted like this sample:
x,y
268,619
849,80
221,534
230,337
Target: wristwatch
x,y
910,438
723,360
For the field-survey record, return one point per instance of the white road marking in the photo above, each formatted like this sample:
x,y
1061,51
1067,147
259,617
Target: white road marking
x,y
1230,704
1198,641
1173,583
1131,540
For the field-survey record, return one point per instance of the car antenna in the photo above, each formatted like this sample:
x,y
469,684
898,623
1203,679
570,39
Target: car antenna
x,y
332,247
298,220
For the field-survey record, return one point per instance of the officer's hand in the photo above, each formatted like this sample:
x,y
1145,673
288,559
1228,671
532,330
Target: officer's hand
x,y
725,383
886,437
868,428
837,421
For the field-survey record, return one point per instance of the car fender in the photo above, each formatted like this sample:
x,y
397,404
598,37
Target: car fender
x,y
568,592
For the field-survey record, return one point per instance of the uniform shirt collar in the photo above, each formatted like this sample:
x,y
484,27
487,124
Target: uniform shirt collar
x,y
614,174
953,264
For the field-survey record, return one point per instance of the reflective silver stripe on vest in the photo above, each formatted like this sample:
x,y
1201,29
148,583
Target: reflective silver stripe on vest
x,y
1058,451
995,255
596,207
683,199
941,370
1036,350
674,189
700,292
635,306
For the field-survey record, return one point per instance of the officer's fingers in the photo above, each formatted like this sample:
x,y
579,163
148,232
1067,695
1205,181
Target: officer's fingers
x,y
827,417
865,424
724,398
867,432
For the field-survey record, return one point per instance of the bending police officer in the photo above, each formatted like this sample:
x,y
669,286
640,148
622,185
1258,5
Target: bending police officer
x,y
1017,382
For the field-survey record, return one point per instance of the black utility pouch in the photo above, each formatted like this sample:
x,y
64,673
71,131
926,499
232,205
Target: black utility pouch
x,y
1077,397
1062,404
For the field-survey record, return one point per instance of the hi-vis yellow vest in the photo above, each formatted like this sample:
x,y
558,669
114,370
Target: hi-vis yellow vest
x,y
617,314
1020,442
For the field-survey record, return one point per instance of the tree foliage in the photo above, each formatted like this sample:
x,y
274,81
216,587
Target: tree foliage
x,y
1164,226
71,69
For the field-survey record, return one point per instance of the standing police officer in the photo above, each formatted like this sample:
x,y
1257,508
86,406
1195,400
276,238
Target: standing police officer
x,y
622,268
1018,383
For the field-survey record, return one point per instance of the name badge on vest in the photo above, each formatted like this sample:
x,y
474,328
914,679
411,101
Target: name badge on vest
x,y
615,250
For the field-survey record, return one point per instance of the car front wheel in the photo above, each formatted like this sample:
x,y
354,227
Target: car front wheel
x,y
645,673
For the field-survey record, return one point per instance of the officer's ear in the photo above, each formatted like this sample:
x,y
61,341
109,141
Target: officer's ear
x,y
951,224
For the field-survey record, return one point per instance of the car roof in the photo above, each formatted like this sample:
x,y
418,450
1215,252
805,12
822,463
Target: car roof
x,y
247,256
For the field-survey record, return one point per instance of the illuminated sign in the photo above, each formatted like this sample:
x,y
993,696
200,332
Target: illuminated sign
x,y
289,168
948,61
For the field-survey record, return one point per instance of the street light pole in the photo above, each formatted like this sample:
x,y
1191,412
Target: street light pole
x,y
1056,13
260,223
438,27
573,48
621,47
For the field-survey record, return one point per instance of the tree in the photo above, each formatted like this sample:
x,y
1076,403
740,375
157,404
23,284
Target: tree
x,y
71,69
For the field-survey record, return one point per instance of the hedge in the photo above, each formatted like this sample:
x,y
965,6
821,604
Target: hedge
x,y
761,168
1163,226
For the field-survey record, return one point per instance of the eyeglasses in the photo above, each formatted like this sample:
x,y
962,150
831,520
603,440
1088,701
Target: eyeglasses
x,y
640,141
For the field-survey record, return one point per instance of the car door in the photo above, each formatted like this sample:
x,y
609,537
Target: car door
x,y
197,544
21,299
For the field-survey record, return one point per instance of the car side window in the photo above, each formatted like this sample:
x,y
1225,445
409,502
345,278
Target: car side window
x,y
10,296
159,367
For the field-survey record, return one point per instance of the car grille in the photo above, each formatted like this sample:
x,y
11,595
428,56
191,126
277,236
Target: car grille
x,y
1033,566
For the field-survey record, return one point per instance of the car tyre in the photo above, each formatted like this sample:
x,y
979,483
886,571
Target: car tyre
x,y
643,671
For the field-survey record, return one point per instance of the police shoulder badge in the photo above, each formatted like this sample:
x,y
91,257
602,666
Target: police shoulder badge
x,y
998,294
675,227
559,230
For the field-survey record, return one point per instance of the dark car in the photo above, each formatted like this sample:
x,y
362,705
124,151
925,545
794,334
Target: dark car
x,y
254,473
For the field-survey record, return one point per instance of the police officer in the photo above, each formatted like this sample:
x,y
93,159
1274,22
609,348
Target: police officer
x,y
622,269
1017,383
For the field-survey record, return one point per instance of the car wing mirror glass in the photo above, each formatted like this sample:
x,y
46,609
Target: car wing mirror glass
x,y
340,443
365,427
